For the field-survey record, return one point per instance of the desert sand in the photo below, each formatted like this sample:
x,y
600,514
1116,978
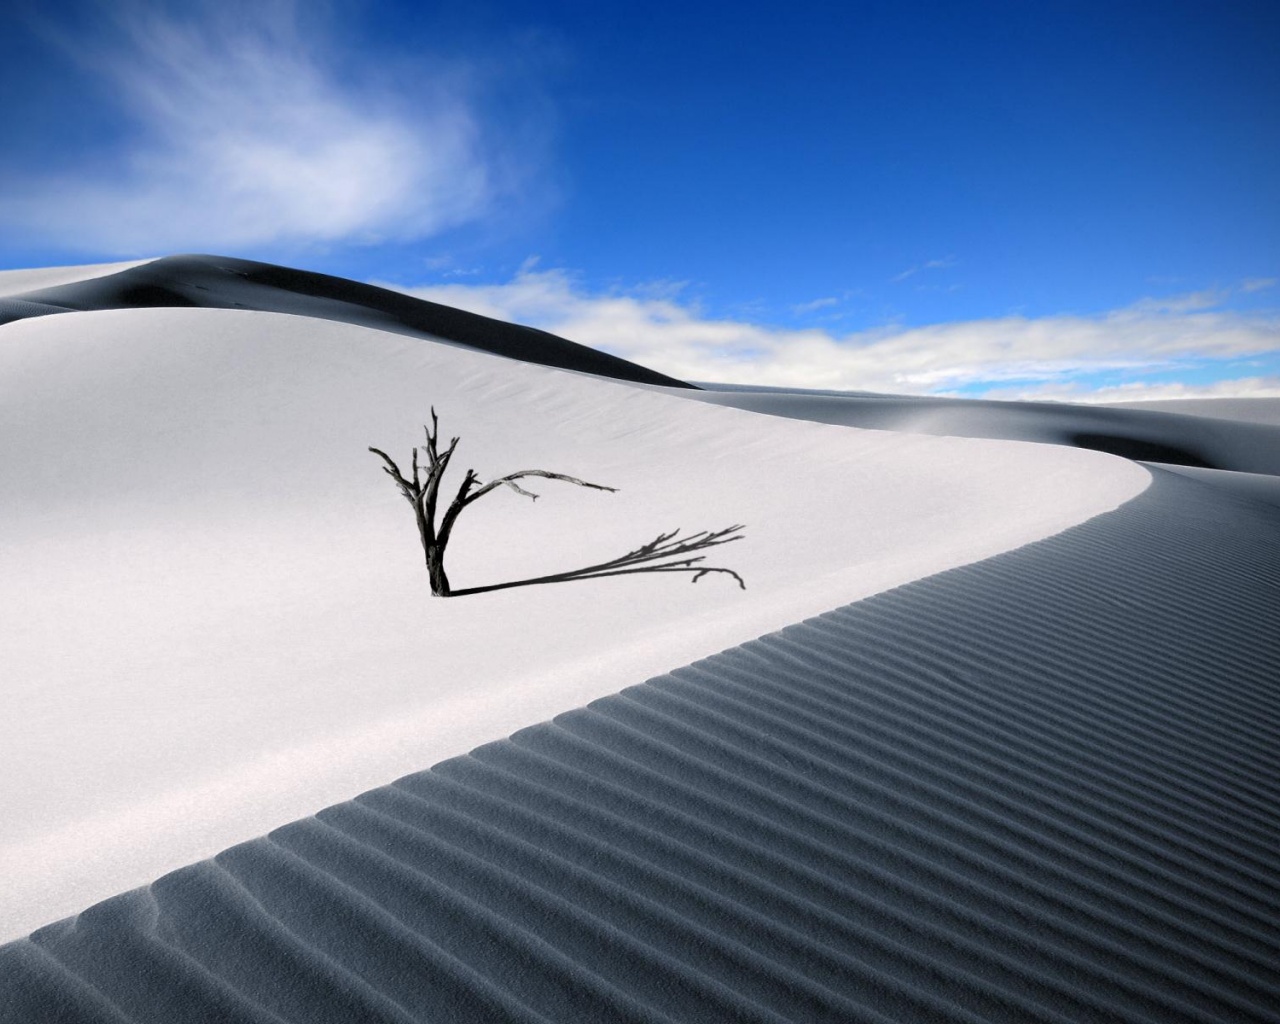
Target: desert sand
x,y
989,735
18,282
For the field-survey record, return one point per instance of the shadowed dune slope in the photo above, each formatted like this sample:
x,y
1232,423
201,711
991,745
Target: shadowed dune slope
x,y
1247,410
1154,436
222,282
1039,787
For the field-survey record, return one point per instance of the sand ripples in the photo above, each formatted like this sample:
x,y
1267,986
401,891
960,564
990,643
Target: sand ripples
x,y
1041,787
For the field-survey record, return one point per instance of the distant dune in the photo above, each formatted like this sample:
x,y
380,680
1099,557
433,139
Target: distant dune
x,y
1241,438
1247,410
18,282
990,736
220,282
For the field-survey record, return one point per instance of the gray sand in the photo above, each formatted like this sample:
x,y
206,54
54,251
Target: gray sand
x,y
1246,410
1151,436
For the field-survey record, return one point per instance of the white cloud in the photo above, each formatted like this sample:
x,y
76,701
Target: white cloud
x,y
1139,391
247,134
676,339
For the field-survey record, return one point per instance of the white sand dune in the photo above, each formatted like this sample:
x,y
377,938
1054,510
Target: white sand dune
x,y
217,615
221,282
16,282
1028,774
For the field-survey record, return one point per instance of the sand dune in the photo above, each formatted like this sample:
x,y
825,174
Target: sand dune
x,y
1248,441
1040,787
1246,410
16,282
1242,441
1029,773
222,282
217,613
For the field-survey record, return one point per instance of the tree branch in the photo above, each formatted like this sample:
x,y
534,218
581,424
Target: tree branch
x,y
409,490
455,509
510,478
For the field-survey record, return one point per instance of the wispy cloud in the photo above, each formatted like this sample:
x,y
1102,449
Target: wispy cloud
x,y
1258,284
1146,391
815,305
1208,298
943,264
661,332
247,132
1205,298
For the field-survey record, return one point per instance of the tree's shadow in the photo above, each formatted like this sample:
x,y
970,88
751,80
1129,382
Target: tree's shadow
x,y
665,545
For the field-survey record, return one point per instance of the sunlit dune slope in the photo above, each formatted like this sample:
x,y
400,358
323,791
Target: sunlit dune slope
x,y
218,620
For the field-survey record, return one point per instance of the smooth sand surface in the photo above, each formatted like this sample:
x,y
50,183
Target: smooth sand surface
x,y
216,615
1040,787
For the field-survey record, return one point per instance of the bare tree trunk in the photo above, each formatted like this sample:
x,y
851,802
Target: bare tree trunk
x,y
435,572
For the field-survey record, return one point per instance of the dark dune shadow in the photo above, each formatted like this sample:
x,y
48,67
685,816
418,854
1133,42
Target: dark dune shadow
x,y
12,309
1140,449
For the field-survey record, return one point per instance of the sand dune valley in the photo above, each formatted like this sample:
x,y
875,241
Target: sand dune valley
x,y
991,733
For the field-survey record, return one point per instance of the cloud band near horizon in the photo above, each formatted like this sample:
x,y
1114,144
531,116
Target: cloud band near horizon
x,y
1127,354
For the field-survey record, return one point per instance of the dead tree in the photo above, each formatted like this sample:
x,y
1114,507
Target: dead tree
x,y
668,552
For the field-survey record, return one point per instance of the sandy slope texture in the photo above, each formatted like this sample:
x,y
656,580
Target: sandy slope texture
x,y
1042,787
216,615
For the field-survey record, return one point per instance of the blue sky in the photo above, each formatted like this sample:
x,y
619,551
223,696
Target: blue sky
x,y
1046,199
